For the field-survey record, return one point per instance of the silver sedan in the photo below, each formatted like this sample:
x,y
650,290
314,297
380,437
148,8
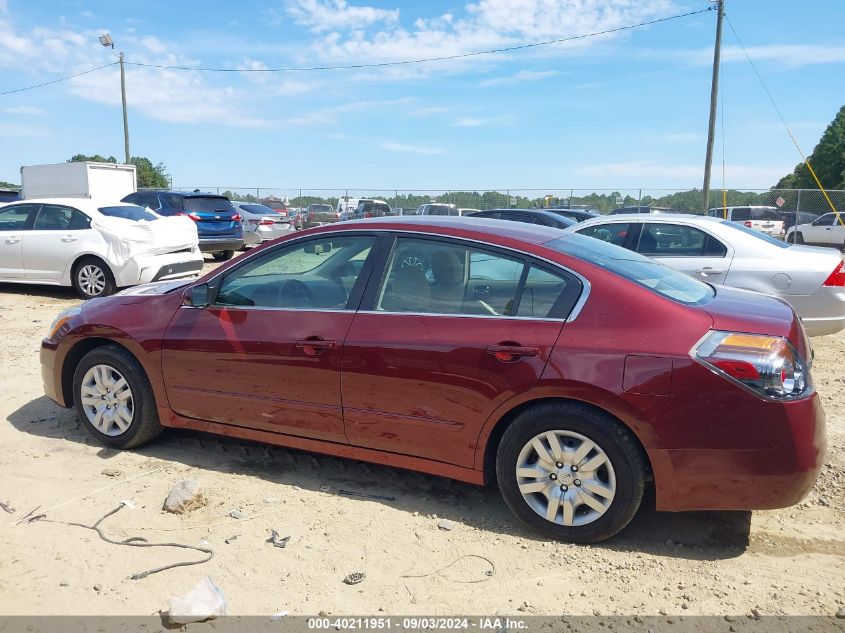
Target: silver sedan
x,y
261,223
714,250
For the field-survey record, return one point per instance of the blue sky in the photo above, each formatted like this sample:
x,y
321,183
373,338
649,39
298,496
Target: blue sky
x,y
620,112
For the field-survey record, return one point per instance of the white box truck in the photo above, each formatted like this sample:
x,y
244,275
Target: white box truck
x,y
101,181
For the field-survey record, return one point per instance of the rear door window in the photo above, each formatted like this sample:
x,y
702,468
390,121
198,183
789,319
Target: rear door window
x,y
53,217
677,240
739,214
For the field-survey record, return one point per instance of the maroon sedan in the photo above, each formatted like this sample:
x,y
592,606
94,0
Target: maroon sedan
x,y
573,372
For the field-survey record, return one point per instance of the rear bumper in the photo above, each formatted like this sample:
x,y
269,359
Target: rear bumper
x,y
746,479
146,268
822,312
215,244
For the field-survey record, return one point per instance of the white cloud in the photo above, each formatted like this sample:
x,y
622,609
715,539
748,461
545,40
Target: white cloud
x,y
468,121
487,24
4,6
517,78
22,109
153,44
410,149
189,97
326,15
787,56
647,174
429,111
330,114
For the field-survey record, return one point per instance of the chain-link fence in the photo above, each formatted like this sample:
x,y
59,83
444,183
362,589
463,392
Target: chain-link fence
x,y
802,204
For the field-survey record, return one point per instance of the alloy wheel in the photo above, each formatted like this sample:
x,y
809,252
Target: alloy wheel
x,y
566,478
107,400
92,279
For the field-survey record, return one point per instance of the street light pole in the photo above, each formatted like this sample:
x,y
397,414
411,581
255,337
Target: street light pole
x,y
125,118
714,93
107,41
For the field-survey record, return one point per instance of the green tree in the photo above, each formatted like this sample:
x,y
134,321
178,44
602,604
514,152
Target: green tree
x,y
148,175
96,158
8,185
827,159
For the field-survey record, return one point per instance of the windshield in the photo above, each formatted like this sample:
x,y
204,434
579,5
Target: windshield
x,y
760,235
129,212
641,270
207,204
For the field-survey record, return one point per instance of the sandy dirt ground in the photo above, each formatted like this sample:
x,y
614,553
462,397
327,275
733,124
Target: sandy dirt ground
x,y
789,561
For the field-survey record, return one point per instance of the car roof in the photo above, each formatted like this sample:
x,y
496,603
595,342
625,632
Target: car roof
x,y
456,226
83,204
648,217
186,194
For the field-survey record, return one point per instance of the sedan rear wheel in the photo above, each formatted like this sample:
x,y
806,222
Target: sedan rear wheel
x,y
796,238
92,278
571,472
113,398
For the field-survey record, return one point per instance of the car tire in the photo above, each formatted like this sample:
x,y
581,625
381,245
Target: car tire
x,y
796,238
128,394
617,470
223,256
91,278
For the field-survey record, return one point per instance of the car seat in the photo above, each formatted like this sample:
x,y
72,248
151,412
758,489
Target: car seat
x,y
408,291
448,291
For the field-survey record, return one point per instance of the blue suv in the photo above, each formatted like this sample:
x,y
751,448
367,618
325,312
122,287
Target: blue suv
x,y
218,223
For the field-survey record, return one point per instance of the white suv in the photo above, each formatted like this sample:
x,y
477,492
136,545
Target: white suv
x,y
767,220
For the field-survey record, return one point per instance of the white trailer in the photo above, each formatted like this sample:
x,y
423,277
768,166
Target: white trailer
x,y
102,181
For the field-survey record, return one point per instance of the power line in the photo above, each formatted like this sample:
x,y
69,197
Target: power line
x,y
423,60
406,62
55,81
785,124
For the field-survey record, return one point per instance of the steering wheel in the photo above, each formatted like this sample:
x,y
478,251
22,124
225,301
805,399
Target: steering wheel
x,y
295,294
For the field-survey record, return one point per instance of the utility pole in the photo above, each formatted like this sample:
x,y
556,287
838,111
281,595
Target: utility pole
x,y
125,118
107,41
714,94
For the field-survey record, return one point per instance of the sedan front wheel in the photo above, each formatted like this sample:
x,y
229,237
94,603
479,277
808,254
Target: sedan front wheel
x,y
113,398
571,472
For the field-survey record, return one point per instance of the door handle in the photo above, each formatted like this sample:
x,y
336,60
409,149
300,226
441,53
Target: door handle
x,y
69,238
314,345
510,353
709,271
12,240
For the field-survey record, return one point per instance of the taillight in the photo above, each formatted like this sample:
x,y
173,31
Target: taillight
x,y
337,214
266,222
748,224
236,217
767,365
836,278
191,215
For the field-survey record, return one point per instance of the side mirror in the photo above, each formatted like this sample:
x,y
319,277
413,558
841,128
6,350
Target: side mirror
x,y
196,296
